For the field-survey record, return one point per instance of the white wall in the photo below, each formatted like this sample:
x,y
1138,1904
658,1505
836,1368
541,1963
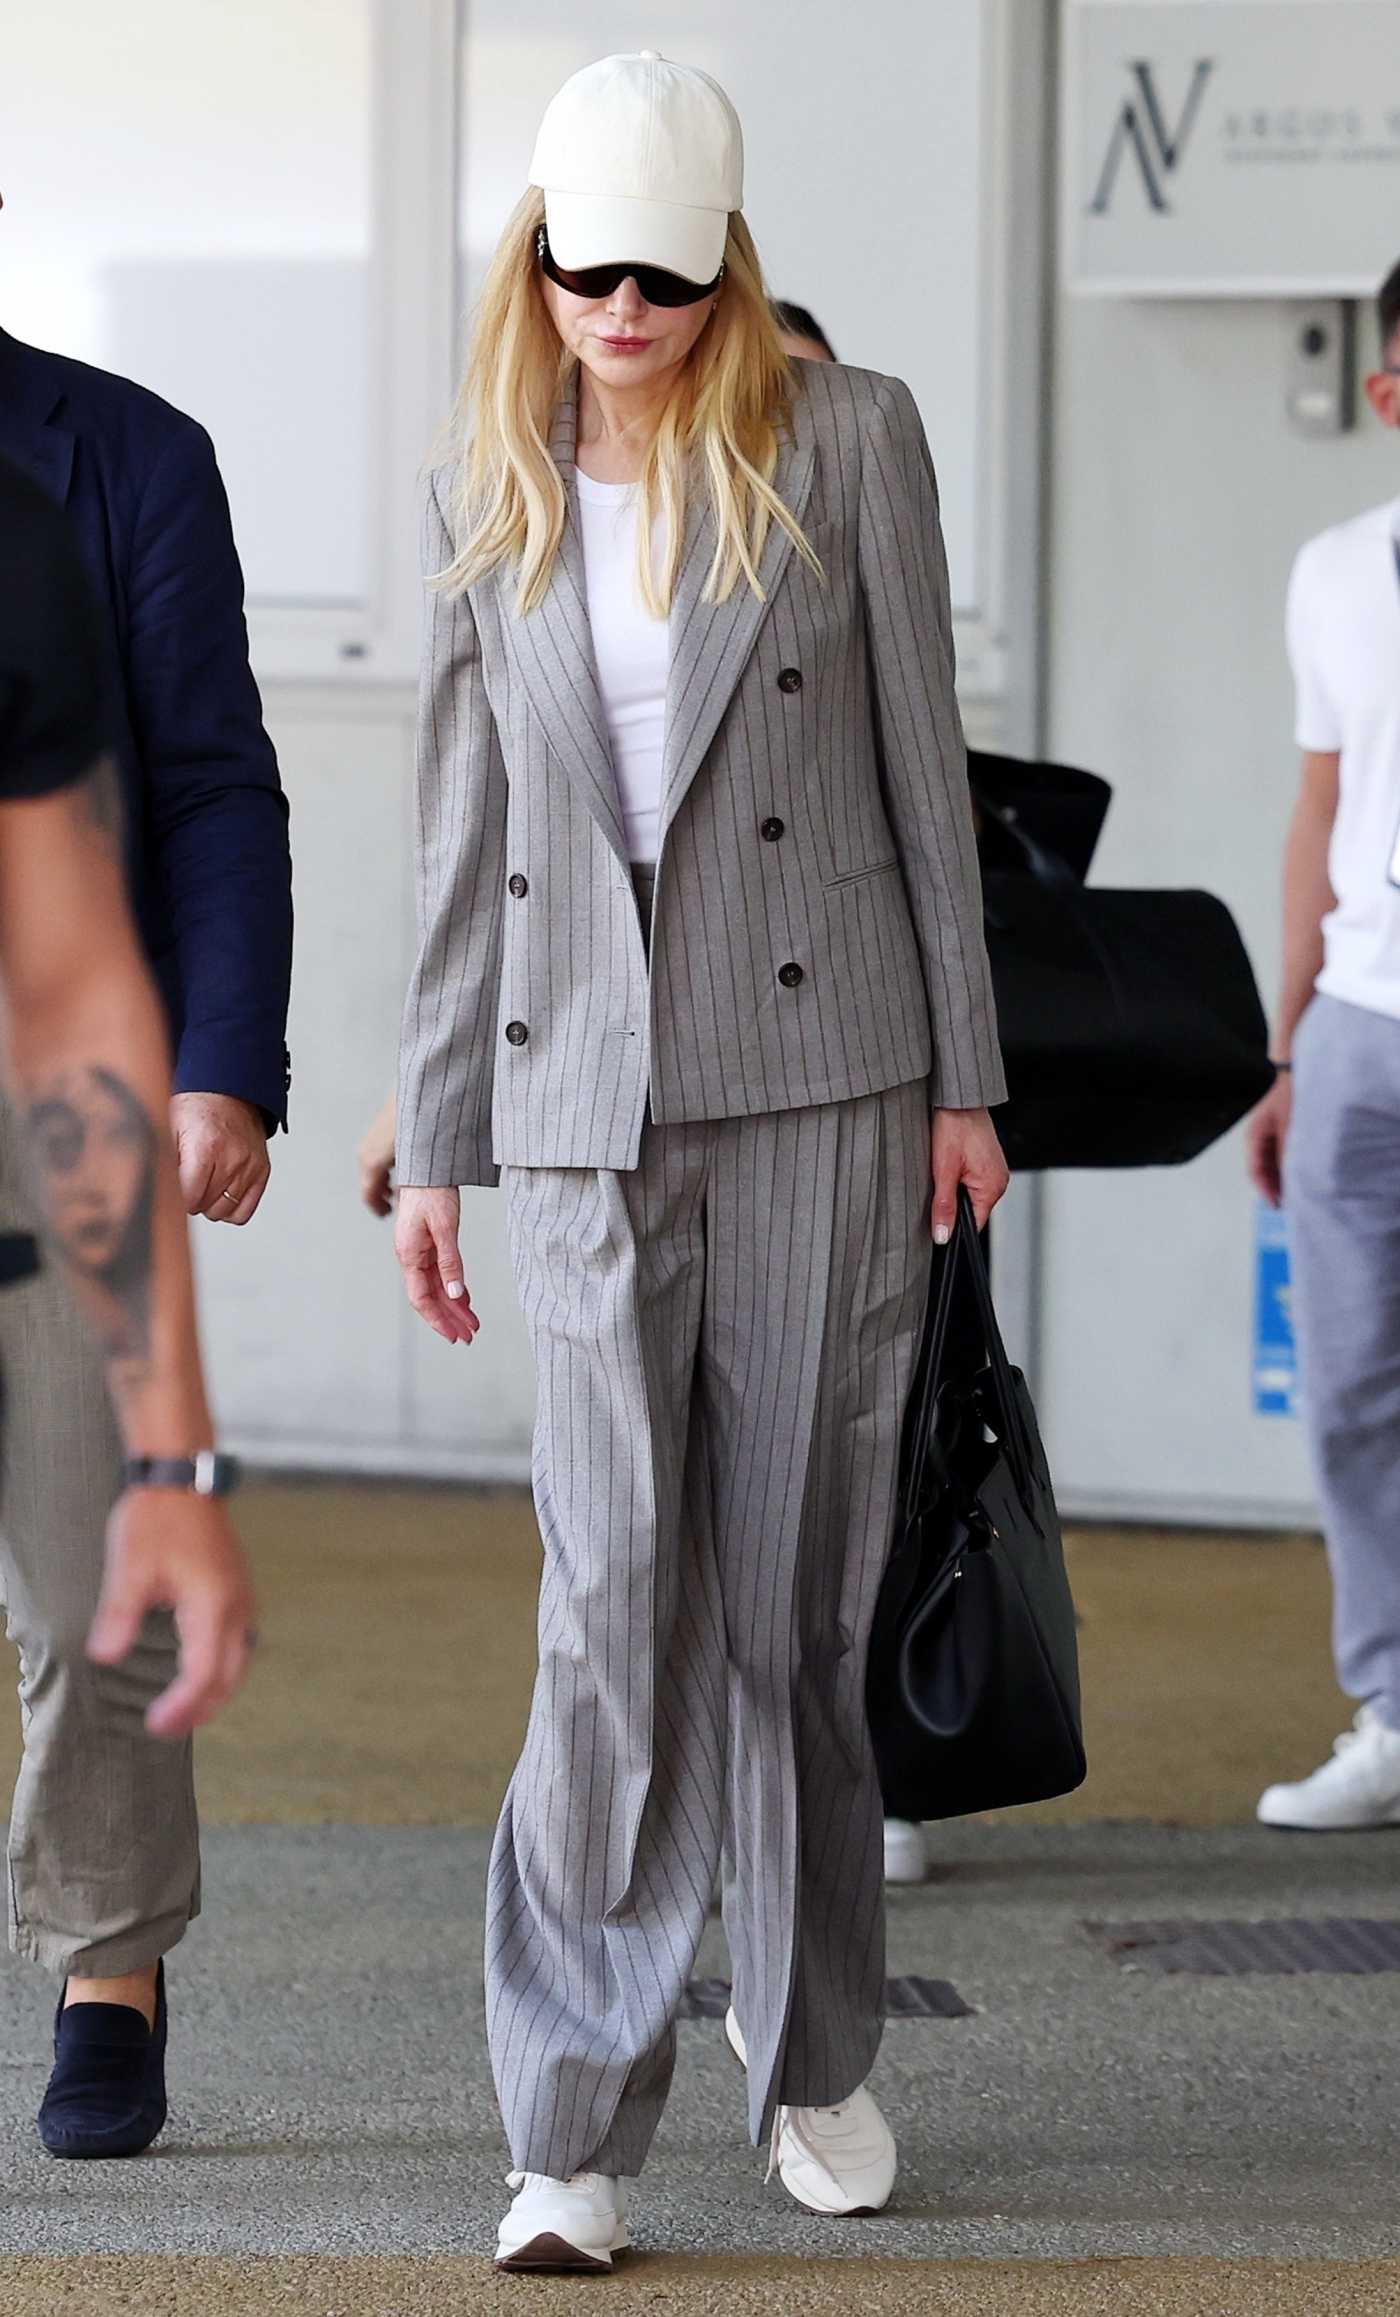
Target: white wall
x,y
188,201
1179,496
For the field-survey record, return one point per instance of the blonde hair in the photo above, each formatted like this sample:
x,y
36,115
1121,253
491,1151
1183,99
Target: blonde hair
x,y
730,407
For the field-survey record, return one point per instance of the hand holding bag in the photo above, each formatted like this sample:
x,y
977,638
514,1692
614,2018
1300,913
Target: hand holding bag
x,y
973,1679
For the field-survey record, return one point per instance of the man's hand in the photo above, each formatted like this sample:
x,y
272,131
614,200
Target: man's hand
x,y
965,1150
221,1152
1266,1138
425,1242
169,1550
376,1160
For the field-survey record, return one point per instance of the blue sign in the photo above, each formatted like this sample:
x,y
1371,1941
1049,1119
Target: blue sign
x,y
1275,1353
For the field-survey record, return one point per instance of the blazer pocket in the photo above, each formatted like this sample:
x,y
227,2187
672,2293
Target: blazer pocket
x,y
858,876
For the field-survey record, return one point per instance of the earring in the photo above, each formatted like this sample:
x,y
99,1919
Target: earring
x,y
540,243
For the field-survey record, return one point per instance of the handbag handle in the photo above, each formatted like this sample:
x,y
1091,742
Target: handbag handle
x,y
933,1363
1009,1406
965,1250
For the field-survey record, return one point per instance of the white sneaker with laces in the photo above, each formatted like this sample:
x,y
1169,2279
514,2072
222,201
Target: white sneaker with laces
x,y
1358,1787
906,1851
839,2161
563,2224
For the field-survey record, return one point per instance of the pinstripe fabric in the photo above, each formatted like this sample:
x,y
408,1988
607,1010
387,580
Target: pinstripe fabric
x,y
871,889
723,1337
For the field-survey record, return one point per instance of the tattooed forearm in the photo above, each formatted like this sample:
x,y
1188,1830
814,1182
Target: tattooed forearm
x,y
94,1149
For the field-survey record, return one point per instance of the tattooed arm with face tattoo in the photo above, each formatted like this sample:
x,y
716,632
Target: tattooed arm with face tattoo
x,y
89,1072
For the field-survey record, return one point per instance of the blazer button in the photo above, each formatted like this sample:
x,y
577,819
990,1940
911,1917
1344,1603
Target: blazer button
x,y
516,1033
790,680
789,975
771,830
517,888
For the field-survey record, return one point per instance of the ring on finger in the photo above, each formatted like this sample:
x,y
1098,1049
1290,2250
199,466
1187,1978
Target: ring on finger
x,y
232,1196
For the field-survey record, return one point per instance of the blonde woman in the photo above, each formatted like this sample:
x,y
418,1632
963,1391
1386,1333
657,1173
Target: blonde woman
x,y
702,978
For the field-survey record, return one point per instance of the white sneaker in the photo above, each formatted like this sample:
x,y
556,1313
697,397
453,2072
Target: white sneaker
x,y
1358,1787
563,2224
906,1851
840,2160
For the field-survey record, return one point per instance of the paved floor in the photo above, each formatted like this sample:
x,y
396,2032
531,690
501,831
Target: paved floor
x,y
1091,2142
331,2093
756,2285
1205,1664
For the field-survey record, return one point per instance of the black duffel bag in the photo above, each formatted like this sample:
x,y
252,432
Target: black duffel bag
x,y
1130,1022
973,1684
1055,805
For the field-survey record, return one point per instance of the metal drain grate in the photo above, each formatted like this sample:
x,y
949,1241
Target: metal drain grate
x,y
909,1998
1357,1946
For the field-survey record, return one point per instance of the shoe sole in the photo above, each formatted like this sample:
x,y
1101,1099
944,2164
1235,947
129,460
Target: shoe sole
x,y
549,2252
1301,1826
115,2151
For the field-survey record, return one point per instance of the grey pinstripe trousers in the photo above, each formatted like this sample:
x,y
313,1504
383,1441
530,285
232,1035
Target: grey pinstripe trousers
x,y
724,1338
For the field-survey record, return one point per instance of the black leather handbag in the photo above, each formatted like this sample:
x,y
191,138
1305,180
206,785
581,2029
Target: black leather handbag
x,y
973,1679
1130,1022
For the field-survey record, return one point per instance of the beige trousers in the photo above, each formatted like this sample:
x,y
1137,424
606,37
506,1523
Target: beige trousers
x,y
104,1841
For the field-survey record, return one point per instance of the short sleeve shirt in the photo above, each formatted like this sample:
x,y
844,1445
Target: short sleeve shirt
x,y
1344,645
52,721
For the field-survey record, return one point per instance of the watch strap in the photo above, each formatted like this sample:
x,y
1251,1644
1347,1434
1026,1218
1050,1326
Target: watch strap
x,y
206,1473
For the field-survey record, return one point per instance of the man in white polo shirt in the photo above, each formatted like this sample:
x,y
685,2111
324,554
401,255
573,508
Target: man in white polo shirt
x,y
1330,1129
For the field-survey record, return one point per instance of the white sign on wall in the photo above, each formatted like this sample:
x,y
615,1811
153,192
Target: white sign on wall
x,y
1231,148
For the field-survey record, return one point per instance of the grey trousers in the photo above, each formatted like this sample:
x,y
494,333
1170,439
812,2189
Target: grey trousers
x,y
1343,1200
724,1339
103,1845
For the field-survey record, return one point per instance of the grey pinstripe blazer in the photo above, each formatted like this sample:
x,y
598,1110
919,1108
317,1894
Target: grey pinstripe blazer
x,y
817,917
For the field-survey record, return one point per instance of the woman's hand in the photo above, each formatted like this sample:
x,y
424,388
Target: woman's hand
x,y
425,1242
965,1150
376,1162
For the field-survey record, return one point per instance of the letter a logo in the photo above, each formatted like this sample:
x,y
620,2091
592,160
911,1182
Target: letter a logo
x,y
1141,127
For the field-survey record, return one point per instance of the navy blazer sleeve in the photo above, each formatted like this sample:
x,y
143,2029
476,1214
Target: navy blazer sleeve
x,y
217,817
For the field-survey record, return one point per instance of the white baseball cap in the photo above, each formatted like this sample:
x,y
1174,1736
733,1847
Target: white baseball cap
x,y
642,159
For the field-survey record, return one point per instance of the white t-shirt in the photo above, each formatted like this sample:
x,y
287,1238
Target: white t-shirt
x,y
1344,642
633,655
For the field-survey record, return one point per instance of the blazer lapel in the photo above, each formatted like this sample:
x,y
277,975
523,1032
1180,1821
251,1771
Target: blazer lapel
x,y
29,433
554,653
710,642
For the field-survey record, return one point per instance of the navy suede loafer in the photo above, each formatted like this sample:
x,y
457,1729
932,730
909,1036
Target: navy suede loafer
x,y
106,2096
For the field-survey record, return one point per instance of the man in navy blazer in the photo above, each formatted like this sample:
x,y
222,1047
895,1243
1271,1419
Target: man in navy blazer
x,y
104,1856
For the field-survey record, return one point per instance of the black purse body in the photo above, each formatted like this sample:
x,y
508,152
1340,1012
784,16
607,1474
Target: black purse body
x,y
973,1679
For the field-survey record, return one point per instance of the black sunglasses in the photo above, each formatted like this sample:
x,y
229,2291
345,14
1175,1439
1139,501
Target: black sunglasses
x,y
599,281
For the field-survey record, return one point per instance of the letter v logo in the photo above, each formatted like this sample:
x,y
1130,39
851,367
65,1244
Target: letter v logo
x,y
1141,128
